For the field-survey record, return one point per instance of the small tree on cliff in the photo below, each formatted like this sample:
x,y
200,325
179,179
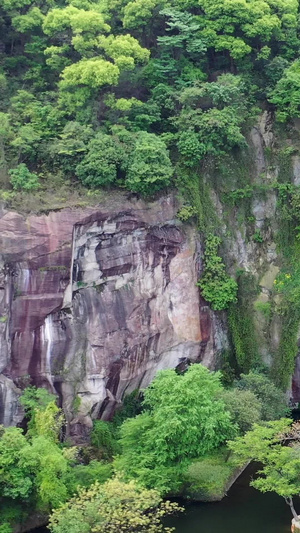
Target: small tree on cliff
x,y
281,463
185,418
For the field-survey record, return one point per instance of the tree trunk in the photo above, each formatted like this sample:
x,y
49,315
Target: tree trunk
x,y
296,520
290,502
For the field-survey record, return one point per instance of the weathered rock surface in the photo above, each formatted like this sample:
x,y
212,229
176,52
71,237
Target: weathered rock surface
x,y
295,525
93,302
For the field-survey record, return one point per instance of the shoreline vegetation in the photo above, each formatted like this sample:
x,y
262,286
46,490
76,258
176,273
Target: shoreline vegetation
x,y
170,442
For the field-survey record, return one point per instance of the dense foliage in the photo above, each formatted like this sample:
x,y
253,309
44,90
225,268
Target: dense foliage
x,y
171,441
217,287
111,508
185,418
273,400
145,95
281,463
132,93
36,472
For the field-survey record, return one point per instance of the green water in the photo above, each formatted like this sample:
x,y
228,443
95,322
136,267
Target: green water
x,y
244,510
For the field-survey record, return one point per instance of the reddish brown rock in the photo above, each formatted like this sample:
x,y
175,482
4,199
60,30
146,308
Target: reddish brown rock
x,y
93,302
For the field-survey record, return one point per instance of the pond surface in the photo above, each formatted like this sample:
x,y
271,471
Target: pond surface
x,y
243,510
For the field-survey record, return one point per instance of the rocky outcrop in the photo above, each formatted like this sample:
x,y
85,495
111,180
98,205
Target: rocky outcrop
x,y
94,302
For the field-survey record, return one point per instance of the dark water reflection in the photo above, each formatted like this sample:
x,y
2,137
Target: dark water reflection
x,y
244,510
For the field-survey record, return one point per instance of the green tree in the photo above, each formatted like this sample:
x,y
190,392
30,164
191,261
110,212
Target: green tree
x,y
281,464
16,479
22,178
68,149
244,407
113,507
273,400
242,27
149,167
35,400
105,158
185,418
286,94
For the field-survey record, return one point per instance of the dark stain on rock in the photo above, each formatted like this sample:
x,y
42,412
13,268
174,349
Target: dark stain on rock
x,y
114,376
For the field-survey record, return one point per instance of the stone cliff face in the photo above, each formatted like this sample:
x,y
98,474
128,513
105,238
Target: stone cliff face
x,y
94,301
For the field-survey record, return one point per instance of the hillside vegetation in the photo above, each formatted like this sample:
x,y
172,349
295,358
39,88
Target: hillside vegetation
x,y
139,94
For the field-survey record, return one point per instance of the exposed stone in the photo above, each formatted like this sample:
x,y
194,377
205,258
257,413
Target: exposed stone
x,y
295,525
96,301
267,281
296,170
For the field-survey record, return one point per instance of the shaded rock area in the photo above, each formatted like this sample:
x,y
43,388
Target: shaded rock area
x,y
93,302
33,523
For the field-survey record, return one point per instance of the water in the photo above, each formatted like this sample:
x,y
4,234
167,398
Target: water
x,y
244,510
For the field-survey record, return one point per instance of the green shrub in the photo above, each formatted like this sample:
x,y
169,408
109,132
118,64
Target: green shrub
x,y
216,287
186,212
241,323
149,167
86,475
102,437
22,179
244,406
273,400
286,93
99,167
207,478
257,237
6,528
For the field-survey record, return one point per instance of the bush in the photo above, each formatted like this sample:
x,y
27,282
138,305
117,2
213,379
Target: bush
x,y
115,506
186,212
22,179
149,168
216,287
102,437
286,93
273,400
86,475
206,479
244,407
185,418
100,165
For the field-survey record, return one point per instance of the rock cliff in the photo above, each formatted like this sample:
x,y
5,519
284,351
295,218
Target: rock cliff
x,y
94,301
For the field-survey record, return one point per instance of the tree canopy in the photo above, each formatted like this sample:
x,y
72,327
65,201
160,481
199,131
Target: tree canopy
x,y
113,507
183,78
184,418
281,463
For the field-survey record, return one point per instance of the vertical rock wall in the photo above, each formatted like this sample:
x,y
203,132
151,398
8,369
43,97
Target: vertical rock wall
x,y
94,302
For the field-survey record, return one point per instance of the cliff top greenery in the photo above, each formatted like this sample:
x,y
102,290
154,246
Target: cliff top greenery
x,y
136,94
